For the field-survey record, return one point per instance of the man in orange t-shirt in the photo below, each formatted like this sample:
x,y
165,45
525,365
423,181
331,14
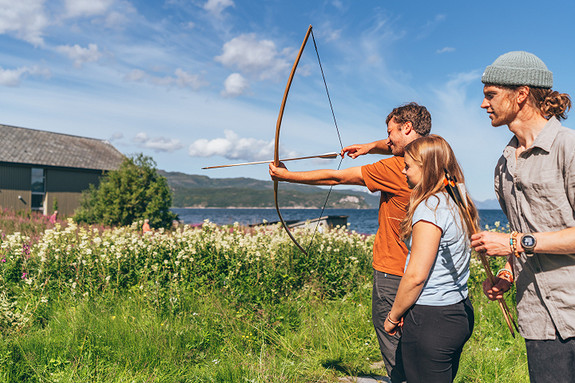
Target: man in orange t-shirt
x,y
404,125
146,226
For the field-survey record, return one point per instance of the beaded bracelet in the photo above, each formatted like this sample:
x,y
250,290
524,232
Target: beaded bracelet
x,y
505,274
513,243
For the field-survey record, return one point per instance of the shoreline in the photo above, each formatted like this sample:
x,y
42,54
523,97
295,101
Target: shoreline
x,y
282,208
272,208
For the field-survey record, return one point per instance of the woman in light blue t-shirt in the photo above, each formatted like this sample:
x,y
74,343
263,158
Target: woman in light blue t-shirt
x,y
432,305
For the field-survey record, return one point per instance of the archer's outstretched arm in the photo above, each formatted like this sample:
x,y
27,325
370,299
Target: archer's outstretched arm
x,y
349,176
376,147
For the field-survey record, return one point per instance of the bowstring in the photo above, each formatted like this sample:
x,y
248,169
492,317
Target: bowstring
x,y
338,136
327,91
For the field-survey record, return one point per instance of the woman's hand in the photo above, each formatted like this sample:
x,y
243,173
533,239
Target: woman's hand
x,y
392,327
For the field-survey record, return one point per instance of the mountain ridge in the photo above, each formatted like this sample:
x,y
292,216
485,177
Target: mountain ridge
x,y
199,191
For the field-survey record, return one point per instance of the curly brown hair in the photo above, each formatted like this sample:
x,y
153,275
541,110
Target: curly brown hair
x,y
418,115
550,102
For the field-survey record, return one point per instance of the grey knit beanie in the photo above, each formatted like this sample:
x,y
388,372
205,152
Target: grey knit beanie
x,y
518,68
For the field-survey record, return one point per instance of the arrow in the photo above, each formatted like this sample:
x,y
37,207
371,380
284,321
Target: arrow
x,y
325,156
454,189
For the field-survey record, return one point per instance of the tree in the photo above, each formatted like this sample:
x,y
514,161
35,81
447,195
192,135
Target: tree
x,y
133,192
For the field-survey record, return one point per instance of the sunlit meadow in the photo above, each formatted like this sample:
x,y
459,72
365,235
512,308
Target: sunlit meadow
x,y
204,304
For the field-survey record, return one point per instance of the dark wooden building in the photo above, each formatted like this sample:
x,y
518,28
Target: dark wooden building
x,y
39,169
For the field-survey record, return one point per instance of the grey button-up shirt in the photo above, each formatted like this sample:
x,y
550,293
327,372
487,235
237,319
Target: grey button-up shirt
x,y
537,193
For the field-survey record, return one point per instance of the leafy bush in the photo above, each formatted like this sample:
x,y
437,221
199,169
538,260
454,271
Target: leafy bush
x,y
134,192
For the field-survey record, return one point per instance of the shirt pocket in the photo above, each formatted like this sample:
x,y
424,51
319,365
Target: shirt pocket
x,y
543,188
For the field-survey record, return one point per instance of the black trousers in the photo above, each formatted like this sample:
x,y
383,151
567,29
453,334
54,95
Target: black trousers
x,y
551,361
433,339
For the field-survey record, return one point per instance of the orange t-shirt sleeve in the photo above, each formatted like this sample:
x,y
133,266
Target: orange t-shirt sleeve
x,y
389,252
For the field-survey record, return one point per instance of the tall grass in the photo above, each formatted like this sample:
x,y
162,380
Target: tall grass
x,y
211,304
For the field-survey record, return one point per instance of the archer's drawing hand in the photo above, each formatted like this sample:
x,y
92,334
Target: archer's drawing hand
x,y
278,173
493,244
496,291
376,147
356,150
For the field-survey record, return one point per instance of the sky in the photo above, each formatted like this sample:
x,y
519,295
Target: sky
x,y
195,83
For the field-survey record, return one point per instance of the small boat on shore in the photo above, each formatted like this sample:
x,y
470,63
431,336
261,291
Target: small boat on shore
x,y
327,221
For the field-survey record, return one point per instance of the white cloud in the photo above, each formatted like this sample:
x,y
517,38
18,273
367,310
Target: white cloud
x,y
80,8
81,55
375,41
13,77
216,7
135,75
455,90
184,79
233,147
116,137
158,144
457,117
181,79
251,56
333,35
445,50
118,19
338,4
25,19
430,26
235,85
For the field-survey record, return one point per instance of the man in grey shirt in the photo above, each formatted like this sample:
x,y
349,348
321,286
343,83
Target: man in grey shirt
x,y
535,185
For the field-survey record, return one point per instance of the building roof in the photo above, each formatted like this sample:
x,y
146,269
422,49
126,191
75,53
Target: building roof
x,y
42,148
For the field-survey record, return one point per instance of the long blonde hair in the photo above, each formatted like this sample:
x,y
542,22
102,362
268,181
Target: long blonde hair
x,y
434,155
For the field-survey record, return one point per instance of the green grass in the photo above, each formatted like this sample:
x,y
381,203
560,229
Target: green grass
x,y
212,339
230,314
492,354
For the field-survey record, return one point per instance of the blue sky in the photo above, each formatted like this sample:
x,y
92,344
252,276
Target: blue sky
x,y
199,82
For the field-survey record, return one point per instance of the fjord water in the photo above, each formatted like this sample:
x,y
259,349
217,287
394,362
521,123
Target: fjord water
x,y
360,220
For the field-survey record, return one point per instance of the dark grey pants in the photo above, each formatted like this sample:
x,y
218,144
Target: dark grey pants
x,y
433,339
551,361
384,290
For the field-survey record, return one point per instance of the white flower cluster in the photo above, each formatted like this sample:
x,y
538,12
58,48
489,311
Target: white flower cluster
x,y
83,259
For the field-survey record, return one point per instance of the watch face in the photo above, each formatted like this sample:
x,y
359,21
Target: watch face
x,y
528,241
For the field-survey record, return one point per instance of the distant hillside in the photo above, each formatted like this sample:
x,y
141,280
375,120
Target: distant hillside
x,y
201,191
490,204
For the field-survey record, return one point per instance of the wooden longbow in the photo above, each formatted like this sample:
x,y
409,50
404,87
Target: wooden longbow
x,y
278,127
277,138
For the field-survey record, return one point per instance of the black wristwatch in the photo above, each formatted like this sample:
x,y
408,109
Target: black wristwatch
x,y
528,243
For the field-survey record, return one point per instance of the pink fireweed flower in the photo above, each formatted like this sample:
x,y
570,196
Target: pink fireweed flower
x,y
24,275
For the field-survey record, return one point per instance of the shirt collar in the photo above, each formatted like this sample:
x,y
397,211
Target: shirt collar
x,y
544,139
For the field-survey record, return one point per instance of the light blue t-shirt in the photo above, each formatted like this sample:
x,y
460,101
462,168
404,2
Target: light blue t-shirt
x,y
447,281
